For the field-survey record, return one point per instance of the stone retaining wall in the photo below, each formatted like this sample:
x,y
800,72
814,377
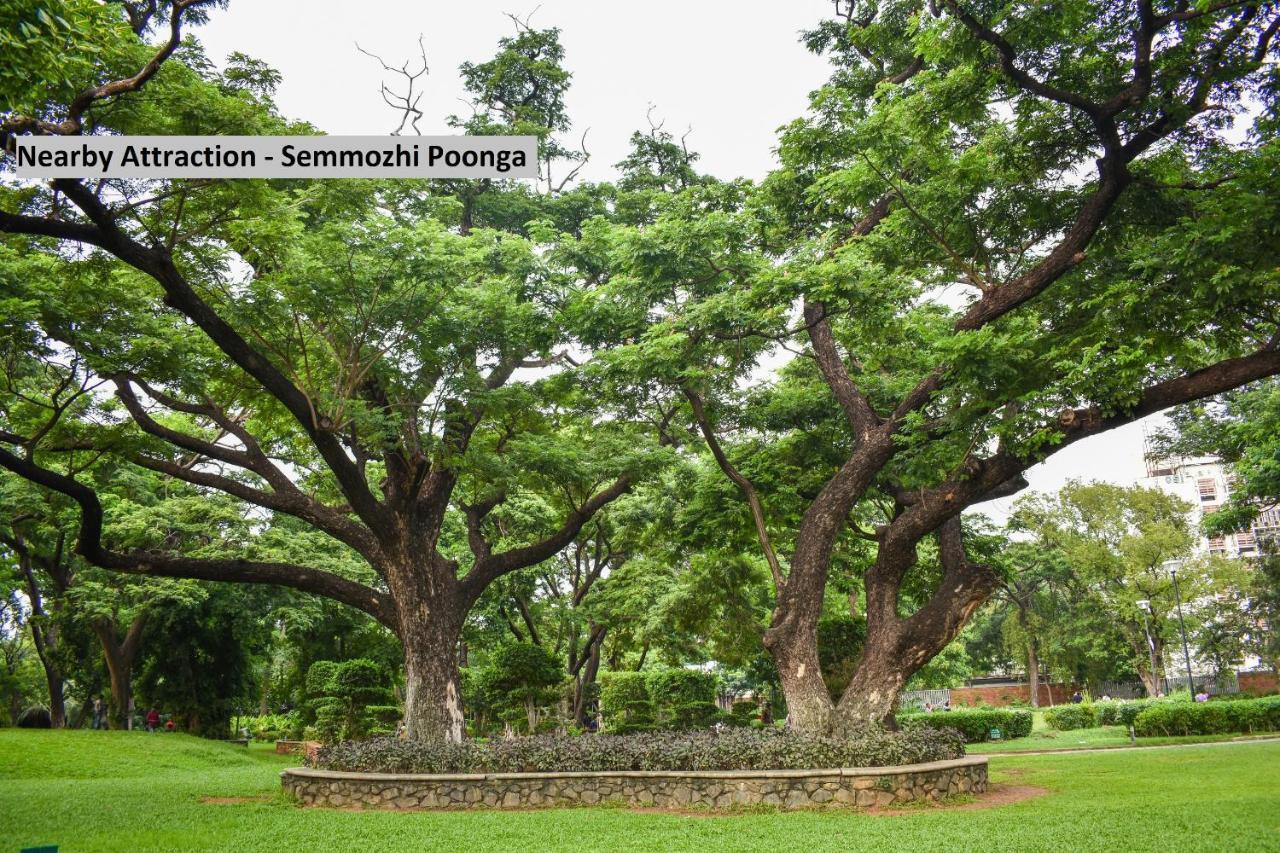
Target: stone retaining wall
x,y
874,786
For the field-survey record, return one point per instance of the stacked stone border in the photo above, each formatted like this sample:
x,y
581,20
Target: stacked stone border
x,y
709,789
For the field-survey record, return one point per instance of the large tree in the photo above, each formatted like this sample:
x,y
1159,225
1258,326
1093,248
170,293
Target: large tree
x,y
1001,231
385,364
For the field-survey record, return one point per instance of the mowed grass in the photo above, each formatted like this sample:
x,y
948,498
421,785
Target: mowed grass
x,y
133,791
1101,737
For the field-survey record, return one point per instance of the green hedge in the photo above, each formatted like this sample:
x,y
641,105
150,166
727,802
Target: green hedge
x,y
658,699
1067,717
1122,712
1209,718
733,749
974,723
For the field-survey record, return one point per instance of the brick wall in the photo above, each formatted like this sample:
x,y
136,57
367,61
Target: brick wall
x,y
999,696
1257,683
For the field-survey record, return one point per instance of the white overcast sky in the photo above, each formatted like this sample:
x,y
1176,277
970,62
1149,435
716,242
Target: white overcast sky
x,y
733,71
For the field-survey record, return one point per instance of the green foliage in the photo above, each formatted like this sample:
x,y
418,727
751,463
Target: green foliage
x,y
975,724
625,704
1121,712
736,749
48,49
349,700
273,727
1205,718
519,679
660,699
1068,717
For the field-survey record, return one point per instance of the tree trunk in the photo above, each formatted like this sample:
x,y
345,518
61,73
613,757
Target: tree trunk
x,y
1033,673
896,648
871,693
44,634
1033,659
431,617
120,656
588,674
809,705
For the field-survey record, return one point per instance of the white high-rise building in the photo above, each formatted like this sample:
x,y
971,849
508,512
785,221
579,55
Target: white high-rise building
x,y
1205,483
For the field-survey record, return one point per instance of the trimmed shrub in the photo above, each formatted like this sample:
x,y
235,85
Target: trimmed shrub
x,y
1065,718
744,711
1209,718
1122,712
659,699
975,724
624,702
733,749
353,702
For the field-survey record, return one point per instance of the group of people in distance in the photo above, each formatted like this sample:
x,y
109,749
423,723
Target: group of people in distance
x,y
151,720
929,707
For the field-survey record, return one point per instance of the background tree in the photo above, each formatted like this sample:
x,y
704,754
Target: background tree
x,y
998,232
363,377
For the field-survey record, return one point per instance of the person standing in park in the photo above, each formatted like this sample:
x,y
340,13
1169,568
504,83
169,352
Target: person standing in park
x,y
152,720
99,718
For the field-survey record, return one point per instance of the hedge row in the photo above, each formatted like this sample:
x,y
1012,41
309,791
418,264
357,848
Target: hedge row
x,y
734,749
1209,718
1120,713
975,724
1067,717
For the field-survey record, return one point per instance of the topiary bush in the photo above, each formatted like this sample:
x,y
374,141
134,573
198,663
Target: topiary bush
x,y
1068,717
744,711
660,699
625,705
975,724
733,749
1209,718
349,700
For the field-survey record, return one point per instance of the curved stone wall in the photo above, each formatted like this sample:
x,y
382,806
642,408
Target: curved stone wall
x,y
873,786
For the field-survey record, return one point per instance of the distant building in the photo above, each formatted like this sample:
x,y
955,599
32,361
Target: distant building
x,y
1205,483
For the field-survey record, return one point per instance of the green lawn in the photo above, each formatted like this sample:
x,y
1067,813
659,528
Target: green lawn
x,y
131,791
1102,737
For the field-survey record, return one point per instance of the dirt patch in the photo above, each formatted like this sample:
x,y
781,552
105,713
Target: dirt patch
x,y
235,801
995,796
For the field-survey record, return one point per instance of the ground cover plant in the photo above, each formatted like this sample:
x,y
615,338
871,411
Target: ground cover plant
x,y
129,792
733,749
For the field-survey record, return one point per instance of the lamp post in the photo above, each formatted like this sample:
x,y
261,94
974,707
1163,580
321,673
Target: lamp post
x,y
1182,626
1145,606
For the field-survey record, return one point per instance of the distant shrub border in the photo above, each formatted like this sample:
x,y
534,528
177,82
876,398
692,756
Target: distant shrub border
x,y
1209,718
1067,718
733,749
974,724
1122,712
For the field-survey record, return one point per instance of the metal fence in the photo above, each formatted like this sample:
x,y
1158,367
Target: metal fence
x,y
1215,687
915,700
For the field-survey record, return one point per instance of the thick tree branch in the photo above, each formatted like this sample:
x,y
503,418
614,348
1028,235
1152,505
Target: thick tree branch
x,y
494,566
89,546
744,485
181,296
